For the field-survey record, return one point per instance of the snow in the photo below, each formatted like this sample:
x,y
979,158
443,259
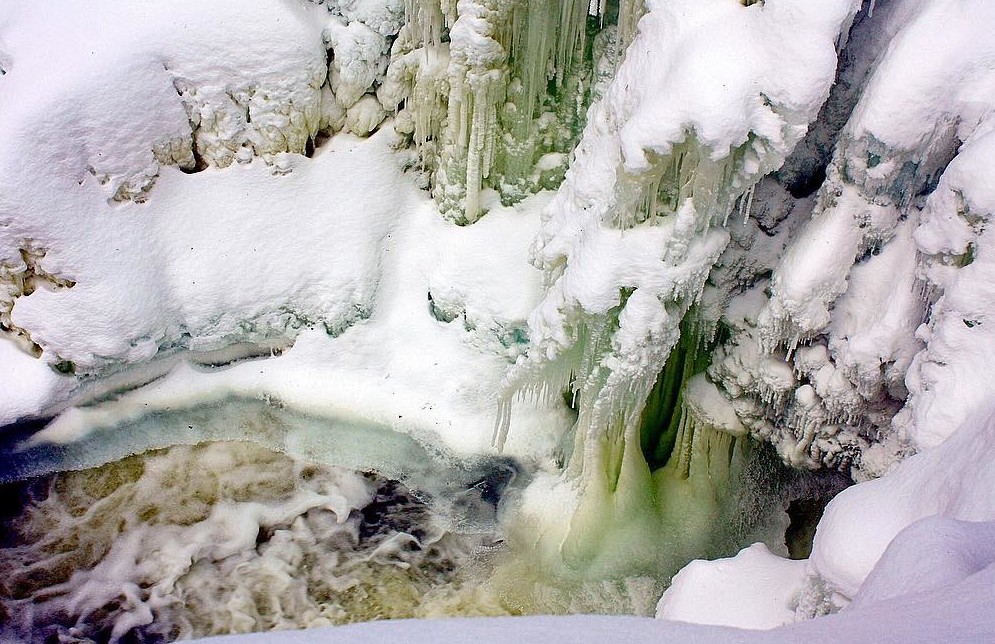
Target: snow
x,y
931,554
752,590
871,239
28,385
374,372
946,380
327,260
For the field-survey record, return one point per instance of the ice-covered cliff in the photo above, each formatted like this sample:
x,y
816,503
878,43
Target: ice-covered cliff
x,y
639,247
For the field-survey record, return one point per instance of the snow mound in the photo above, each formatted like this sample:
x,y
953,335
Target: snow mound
x,y
755,589
861,522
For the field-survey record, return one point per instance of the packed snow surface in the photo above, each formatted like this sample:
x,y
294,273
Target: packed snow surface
x,y
951,480
752,590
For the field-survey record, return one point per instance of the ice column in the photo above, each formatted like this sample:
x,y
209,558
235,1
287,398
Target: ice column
x,y
493,92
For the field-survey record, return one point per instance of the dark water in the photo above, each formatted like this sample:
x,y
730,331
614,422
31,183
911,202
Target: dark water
x,y
229,537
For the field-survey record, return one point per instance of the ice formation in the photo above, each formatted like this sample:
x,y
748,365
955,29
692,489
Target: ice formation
x,y
751,223
494,91
864,244
627,246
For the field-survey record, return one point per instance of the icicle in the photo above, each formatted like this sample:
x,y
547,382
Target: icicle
x,y
426,19
535,49
749,203
685,431
502,423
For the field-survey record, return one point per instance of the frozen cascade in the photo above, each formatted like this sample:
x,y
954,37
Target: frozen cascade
x,y
859,343
733,256
628,244
494,91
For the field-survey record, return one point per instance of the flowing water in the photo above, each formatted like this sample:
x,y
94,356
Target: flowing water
x,y
227,537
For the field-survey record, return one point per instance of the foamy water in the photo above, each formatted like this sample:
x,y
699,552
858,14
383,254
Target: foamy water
x,y
232,537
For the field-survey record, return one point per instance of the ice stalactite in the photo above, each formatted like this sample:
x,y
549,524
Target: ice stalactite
x,y
664,413
477,72
627,246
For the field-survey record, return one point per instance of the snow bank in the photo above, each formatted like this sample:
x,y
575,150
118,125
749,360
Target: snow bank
x,y
950,480
29,385
124,99
932,583
931,555
406,367
214,258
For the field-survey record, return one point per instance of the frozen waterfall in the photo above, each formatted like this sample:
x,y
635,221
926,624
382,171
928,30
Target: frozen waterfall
x,y
322,311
